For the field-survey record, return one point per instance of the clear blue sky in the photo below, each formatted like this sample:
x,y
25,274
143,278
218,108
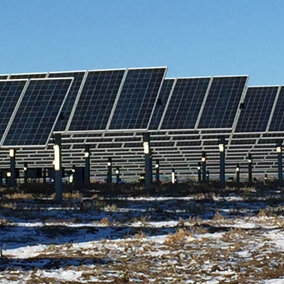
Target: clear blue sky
x,y
191,37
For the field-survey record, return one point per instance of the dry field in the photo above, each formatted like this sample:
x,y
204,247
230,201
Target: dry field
x,y
229,236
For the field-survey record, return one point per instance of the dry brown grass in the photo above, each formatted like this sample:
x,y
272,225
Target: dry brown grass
x,y
3,222
143,220
19,195
8,205
196,221
95,196
140,235
72,195
218,218
234,234
105,221
248,189
178,237
110,207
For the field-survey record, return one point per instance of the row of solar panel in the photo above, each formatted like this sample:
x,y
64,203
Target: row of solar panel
x,y
124,99
116,99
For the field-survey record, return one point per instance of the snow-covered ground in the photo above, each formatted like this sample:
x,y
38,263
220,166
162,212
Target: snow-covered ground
x,y
193,239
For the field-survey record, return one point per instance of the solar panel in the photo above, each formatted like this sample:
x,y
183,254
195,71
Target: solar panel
x,y
185,103
222,102
3,77
10,92
257,108
137,98
161,103
73,92
96,100
277,122
34,119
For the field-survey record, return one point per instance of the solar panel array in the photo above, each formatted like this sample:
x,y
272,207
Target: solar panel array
x,y
10,92
277,123
258,105
185,103
161,104
37,112
96,100
222,102
137,98
110,109
73,92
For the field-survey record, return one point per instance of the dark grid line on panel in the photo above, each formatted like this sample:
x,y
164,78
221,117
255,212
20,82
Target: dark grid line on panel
x,y
137,98
277,135
3,77
37,112
69,103
277,122
189,143
222,102
28,76
185,103
161,103
10,92
96,100
257,109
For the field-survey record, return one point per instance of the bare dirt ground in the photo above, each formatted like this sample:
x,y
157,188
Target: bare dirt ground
x,y
184,234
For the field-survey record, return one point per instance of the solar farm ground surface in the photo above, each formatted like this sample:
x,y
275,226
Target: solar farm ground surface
x,y
183,234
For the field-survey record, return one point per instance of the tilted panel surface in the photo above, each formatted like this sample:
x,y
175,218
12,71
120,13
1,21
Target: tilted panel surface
x,y
161,103
96,100
277,122
3,77
137,98
69,103
37,113
185,103
222,102
10,92
257,109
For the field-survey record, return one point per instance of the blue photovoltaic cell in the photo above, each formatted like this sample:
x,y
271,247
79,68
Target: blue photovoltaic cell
x,y
96,100
161,103
277,122
69,103
137,98
222,102
257,108
37,113
185,103
10,92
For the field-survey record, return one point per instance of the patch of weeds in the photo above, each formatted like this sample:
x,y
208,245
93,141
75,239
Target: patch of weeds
x,y
143,220
181,222
233,235
3,222
110,208
8,205
178,237
196,221
140,235
105,221
72,195
218,218
19,195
